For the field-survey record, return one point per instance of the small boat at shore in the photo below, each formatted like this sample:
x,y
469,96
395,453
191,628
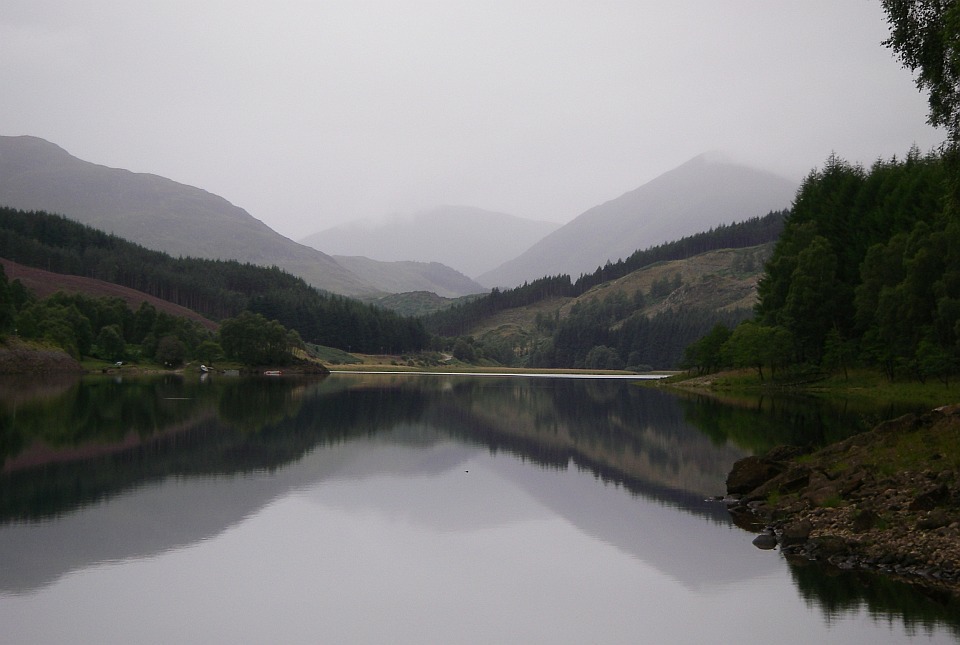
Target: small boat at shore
x,y
272,373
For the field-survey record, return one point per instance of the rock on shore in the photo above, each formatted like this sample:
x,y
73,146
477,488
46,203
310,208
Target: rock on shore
x,y
886,500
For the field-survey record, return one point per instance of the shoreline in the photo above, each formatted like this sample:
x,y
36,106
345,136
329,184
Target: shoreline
x,y
886,500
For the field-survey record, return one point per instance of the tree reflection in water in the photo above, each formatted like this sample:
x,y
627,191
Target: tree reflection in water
x,y
73,443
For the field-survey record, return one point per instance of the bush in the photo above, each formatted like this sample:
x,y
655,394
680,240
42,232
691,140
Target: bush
x,y
602,357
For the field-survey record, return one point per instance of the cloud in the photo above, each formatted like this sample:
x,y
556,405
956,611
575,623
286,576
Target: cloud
x,y
311,114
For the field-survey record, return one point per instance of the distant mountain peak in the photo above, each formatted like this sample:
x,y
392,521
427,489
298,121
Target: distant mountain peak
x,y
700,194
467,238
714,156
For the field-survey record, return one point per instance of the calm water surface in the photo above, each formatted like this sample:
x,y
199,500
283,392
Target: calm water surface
x,y
408,509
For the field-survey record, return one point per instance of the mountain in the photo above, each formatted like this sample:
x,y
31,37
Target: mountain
x,y
701,194
406,276
471,240
155,212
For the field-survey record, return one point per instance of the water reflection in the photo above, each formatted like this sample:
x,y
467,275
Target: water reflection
x,y
759,422
838,595
101,471
111,436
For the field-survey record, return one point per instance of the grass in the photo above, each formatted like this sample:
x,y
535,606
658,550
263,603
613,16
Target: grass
x,y
871,385
864,385
833,501
332,356
937,446
398,365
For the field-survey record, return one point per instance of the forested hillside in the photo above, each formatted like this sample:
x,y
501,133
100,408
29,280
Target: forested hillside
x,y
753,232
215,288
868,269
866,273
620,318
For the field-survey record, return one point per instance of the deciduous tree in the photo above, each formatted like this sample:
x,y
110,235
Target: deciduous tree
x,y
925,34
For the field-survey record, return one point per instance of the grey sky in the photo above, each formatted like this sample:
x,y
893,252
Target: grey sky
x,y
313,113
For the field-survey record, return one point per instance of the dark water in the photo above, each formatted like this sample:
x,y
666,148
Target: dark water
x,y
409,509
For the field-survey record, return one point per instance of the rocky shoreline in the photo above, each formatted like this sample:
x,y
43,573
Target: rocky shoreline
x,y
887,500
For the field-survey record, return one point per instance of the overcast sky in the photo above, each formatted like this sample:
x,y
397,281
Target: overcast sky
x,y
309,114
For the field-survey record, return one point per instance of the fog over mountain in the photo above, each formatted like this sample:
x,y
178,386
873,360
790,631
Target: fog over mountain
x,y
404,276
470,240
706,191
405,253
155,212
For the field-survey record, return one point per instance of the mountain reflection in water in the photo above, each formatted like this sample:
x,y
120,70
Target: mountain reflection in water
x,y
99,471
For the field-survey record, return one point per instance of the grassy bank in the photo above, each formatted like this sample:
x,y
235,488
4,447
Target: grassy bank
x,y
864,385
432,362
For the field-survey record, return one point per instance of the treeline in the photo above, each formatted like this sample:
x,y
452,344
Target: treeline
x,y
457,320
217,289
104,328
608,335
107,329
866,273
751,232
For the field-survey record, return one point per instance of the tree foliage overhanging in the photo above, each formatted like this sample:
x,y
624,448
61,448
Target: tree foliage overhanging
x,y
925,34
217,289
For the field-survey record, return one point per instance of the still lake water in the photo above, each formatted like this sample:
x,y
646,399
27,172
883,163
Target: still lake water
x,y
408,509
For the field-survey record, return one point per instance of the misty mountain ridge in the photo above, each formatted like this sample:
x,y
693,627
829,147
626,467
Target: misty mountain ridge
x,y
407,276
469,239
502,249
156,212
702,193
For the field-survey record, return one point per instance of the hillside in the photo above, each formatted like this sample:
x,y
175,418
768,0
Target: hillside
x,y
471,240
700,194
156,213
719,281
44,284
215,288
407,276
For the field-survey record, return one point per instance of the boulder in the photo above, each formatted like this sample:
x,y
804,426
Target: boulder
x,y
749,473
935,519
930,499
826,546
765,541
785,453
795,479
796,533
